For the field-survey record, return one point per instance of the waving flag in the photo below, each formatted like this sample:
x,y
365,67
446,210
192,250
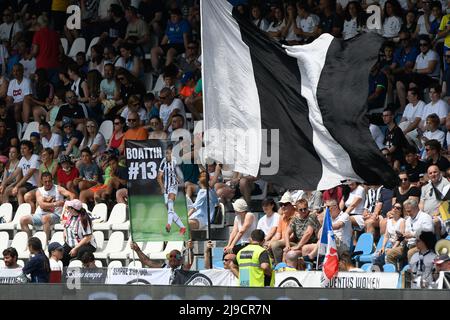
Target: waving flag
x,y
328,247
314,96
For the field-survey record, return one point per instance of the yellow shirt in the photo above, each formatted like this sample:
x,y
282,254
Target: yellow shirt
x,y
60,5
445,20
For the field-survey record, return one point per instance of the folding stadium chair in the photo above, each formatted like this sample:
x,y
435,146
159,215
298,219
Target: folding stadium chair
x,y
75,264
389,267
135,264
78,45
115,264
32,127
58,237
6,210
118,216
4,240
115,244
106,129
366,258
23,210
94,41
171,245
65,44
98,264
366,267
20,243
99,239
43,237
363,246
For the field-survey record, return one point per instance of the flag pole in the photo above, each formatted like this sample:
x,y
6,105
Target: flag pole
x,y
318,254
208,237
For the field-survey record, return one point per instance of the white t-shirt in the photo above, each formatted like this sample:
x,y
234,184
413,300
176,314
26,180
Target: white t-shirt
x,y
412,112
345,233
5,30
240,223
19,91
278,27
308,24
391,27
142,114
440,108
357,193
165,110
291,36
266,223
422,61
55,265
350,29
29,67
421,24
3,55
437,135
55,141
103,7
26,165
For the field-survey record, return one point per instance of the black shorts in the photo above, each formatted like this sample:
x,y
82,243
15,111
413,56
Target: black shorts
x,y
29,186
421,80
177,46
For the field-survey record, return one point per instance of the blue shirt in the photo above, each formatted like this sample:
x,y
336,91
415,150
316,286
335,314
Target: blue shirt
x,y
174,31
36,267
401,58
200,204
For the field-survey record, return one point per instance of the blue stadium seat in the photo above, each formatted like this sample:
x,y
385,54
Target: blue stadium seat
x,y
363,246
389,267
200,263
366,258
366,267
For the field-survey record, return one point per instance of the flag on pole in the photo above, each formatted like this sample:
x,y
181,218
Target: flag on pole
x,y
328,247
308,101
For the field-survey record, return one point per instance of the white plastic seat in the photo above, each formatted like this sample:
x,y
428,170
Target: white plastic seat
x,y
78,45
21,263
43,237
126,253
19,130
20,243
106,129
23,210
171,245
99,213
65,44
135,264
32,127
6,210
94,41
118,216
153,247
98,264
75,264
124,226
58,237
2,264
115,244
115,264
158,85
4,240
99,239
148,80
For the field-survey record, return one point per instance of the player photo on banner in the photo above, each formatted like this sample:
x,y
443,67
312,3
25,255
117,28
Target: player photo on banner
x,y
155,184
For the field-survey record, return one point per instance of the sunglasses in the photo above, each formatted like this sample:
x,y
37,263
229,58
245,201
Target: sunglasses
x,y
116,123
120,78
404,180
303,209
162,98
132,120
423,44
397,207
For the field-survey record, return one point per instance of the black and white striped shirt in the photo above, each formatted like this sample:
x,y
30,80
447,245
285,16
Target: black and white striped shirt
x,y
170,174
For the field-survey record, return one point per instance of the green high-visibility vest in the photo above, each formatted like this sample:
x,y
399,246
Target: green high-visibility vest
x,y
250,272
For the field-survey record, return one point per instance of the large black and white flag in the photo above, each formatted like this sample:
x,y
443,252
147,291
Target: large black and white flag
x,y
311,99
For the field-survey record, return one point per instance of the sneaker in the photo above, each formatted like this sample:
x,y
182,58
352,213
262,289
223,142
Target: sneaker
x,y
182,231
168,227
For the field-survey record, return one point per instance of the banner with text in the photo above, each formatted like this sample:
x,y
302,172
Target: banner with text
x,y
156,200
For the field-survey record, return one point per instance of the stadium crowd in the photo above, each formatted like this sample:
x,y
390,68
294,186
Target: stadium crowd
x,y
142,72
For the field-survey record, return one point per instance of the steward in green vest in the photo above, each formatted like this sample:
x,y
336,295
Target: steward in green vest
x,y
255,267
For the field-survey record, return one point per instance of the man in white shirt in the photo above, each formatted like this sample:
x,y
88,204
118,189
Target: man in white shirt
x,y
342,226
169,107
10,30
25,175
437,106
19,95
412,116
50,139
269,222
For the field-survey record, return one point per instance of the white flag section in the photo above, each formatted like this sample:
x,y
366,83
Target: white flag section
x,y
232,117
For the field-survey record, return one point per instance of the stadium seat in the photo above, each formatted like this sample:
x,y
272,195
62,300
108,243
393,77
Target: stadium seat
x,y
363,246
217,255
21,263
19,130
75,264
65,44
99,213
148,81
32,127
115,264
6,210
115,244
94,41
4,240
367,258
389,267
153,247
78,45
171,245
406,268
135,264
99,239
221,212
43,237
263,195
200,263
58,237
85,207
118,216
20,242
366,267
126,253
2,264
106,129
158,85
23,210
98,264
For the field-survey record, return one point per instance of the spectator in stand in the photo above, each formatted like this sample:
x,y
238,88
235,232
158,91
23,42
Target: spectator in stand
x,y
90,173
49,139
198,214
134,104
269,222
118,133
422,261
66,173
414,167
81,65
157,132
276,27
436,105
257,18
169,106
26,59
444,32
115,28
11,166
129,85
150,106
47,49
10,257
71,139
434,157
56,253
175,40
135,131
394,139
346,264
278,242
392,21
152,12
5,138
44,93
395,225
109,90
409,24
330,22
432,131
373,205
354,20
79,86
189,61
93,140
50,202
88,260
405,191
25,175
130,61
442,263
97,59
73,111
355,205
424,21
19,96
244,223
78,238
188,83
4,83
35,139
48,164
342,227
412,116
38,267
137,32
10,30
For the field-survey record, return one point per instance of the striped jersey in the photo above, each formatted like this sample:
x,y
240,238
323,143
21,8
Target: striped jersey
x,y
168,168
